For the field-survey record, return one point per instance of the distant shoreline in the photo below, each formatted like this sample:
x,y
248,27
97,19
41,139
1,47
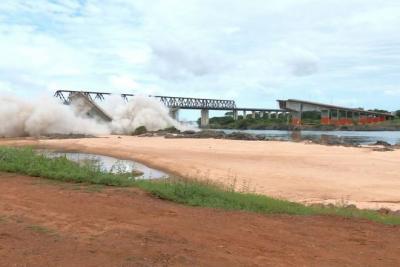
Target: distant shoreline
x,y
309,124
355,128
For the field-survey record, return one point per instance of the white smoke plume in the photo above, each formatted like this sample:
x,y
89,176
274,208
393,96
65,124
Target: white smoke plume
x,y
41,117
47,116
141,111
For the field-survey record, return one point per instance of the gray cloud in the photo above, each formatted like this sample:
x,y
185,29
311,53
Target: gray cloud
x,y
211,48
303,64
174,61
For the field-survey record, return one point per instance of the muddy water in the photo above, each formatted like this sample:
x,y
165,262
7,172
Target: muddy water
x,y
109,164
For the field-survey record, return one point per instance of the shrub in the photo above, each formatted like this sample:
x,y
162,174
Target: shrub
x,y
140,130
171,129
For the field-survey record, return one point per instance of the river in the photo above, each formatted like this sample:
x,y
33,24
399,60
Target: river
x,y
361,137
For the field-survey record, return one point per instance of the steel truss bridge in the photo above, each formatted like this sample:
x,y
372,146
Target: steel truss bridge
x,y
169,101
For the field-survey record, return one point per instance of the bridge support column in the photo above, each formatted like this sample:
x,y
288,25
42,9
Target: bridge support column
x,y
235,115
253,114
174,113
325,117
244,114
204,118
261,114
296,118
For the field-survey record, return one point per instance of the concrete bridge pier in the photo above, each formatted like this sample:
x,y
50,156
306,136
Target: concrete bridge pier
x,y
253,114
296,118
174,113
235,115
244,114
261,114
204,121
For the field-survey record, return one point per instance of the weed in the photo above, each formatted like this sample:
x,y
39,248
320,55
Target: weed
x,y
40,229
94,188
3,219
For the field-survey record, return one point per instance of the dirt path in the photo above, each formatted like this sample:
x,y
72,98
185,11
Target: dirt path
x,y
43,223
299,172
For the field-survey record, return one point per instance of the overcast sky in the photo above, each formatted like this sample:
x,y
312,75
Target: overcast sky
x,y
343,52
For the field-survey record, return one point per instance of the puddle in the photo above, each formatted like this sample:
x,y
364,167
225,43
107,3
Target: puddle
x,y
109,164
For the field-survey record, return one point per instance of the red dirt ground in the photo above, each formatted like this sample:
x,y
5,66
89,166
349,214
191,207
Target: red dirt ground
x,y
44,223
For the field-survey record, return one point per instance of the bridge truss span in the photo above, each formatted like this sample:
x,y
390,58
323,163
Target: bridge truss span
x,y
65,95
168,101
197,103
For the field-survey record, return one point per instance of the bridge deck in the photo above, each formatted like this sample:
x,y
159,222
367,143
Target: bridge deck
x,y
285,104
260,109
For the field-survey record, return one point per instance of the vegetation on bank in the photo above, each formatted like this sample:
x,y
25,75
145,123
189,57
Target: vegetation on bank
x,y
143,130
184,191
202,194
311,120
140,130
227,122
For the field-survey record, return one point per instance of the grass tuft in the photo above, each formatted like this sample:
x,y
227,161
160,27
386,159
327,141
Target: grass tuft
x,y
3,219
40,229
184,191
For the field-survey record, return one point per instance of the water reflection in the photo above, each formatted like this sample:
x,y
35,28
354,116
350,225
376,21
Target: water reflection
x,y
109,164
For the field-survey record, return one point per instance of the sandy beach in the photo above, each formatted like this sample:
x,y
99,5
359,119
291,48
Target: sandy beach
x,y
300,172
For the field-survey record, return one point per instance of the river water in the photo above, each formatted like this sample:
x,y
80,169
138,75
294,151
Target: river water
x,y
361,137
109,164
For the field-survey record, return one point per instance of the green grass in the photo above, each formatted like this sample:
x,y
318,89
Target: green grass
x,y
184,191
39,229
27,161
44,231
196,193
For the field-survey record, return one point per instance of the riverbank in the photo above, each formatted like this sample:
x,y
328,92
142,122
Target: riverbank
x,y
305,173
218,123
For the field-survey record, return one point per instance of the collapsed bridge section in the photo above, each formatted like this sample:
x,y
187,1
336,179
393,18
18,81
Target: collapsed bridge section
x,y
85,104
